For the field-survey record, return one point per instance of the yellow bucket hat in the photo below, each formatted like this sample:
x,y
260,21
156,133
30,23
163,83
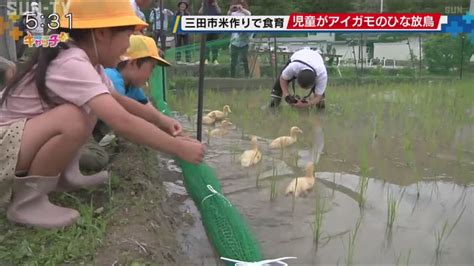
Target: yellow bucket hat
x,y
142,46
93,14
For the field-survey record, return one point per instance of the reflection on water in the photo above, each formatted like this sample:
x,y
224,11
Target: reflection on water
x,y
426,165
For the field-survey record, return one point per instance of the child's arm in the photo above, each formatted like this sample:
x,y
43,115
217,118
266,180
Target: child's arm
x,y
142,132
151,115
167,124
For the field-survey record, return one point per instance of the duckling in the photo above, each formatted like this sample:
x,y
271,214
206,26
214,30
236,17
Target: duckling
x,y
209,119
253,156
282,142
302,185
220,115
222,130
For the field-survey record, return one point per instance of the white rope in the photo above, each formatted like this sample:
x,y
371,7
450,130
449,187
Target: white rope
x,y
213,193
259,263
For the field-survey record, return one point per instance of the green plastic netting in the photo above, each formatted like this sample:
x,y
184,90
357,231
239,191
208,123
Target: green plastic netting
x,y
225,227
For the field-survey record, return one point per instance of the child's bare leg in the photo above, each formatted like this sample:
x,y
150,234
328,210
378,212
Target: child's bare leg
x,y
49,142
52,139
72,177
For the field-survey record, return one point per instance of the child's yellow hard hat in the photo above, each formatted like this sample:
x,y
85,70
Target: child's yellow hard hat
x,y
92,14
142,46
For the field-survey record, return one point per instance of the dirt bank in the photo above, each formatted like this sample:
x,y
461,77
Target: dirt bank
x,y
143,228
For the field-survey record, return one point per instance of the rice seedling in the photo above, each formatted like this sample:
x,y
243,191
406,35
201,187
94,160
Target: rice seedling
x,y
442,235
408,150
397,262
273,189
374,131
318,219
296,159
418,190
257,181
364,180
462,197
235,150
407,260
363,185
352,243
391,209
408,257
392,205
273,183
435,189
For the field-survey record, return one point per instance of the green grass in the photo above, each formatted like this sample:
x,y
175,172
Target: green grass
x,y
79,242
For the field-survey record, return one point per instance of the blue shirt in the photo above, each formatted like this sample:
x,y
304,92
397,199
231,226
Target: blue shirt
x,y
119,84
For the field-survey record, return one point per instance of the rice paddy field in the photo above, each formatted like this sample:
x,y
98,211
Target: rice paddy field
x,y
394,172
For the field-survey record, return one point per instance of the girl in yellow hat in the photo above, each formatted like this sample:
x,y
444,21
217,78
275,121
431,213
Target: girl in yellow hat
x,y
47,112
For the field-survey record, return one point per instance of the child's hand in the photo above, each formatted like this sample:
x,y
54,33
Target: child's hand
x,y
190,151
187,138
172,126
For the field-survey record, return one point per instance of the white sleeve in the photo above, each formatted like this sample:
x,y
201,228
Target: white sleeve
x,y
321,83
152,16
289,72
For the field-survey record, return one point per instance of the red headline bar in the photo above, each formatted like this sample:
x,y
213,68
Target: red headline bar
x,y
365,21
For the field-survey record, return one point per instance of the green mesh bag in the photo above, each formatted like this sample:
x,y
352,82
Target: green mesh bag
x,y
225,227
197,177
228,232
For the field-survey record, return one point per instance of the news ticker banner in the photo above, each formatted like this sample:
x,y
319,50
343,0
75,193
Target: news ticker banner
x,y
384,22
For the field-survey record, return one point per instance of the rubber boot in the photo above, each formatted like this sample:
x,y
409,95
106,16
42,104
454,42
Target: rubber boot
x,y
72,178
30,205
275,102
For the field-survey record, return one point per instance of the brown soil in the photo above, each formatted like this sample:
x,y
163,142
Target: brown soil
x,y
143,228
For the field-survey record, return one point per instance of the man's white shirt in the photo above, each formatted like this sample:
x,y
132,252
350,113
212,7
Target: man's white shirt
x,y
315,60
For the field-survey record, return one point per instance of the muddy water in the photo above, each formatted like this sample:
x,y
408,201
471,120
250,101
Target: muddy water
x,y
430,176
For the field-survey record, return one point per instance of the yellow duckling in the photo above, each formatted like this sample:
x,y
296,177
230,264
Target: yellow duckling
x,y
285,141
251,157
220,115
222,130
301,185
209,119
